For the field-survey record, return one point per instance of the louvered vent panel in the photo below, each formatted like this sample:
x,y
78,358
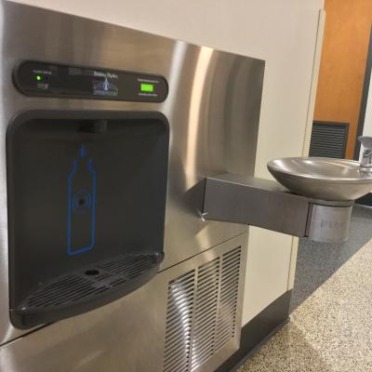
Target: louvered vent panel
x,y
179,321
226,326
202,311
204,326
329,140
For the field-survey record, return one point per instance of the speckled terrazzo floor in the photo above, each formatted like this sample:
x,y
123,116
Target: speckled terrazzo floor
x,y
329,332
316,262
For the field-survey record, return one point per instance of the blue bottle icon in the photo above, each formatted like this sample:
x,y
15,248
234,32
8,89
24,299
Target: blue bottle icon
x,y
81,204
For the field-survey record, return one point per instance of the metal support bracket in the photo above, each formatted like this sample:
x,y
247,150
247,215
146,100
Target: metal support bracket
x,y
266,204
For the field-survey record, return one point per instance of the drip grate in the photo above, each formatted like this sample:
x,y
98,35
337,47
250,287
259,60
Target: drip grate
x,y
84,285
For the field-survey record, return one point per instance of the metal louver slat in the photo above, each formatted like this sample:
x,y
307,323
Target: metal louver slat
x,y
179,322
202,313
205,313
226,326
329,139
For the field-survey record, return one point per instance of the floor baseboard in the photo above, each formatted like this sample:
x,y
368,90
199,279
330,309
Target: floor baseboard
x,y
256,332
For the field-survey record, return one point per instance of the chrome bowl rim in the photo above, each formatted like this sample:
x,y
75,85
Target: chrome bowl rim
x,y
364,177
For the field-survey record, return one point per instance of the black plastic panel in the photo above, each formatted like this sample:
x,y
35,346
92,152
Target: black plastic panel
x,y
84,189
55,80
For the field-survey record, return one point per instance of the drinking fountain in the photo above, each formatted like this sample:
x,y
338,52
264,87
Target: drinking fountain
x,y
314,197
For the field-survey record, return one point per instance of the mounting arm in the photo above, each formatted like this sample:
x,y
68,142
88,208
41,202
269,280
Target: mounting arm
x,y
266,204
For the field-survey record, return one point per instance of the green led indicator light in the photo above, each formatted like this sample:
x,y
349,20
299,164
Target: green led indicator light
x,y
38,78
148,88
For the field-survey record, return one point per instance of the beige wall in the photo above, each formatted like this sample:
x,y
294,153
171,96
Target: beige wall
x,y
367,130
341,78
281,32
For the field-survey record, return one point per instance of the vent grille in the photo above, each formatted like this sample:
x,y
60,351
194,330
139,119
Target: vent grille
x,y
226,327
202,312
179,320
81,286
329,139
204,326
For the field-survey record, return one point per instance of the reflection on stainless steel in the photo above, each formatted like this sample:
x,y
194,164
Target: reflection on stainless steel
x,y
329,224
366,158
197,91
178,56
179,321
213,111
322,178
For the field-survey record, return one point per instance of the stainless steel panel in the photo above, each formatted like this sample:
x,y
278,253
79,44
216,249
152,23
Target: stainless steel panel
x,y
127,335
256,202
329,224
213,111
268,205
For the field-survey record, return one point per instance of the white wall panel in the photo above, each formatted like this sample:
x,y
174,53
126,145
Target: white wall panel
x,y
367,129
269,257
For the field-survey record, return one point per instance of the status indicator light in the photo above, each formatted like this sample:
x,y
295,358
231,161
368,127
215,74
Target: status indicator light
x,y
147,88
38,77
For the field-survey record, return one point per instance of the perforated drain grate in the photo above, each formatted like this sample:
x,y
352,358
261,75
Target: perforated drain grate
x,y
82,286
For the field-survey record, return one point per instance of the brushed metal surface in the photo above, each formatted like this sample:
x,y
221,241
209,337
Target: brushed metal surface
x,y
213,112
256,202
268,205
366,158
329,224
127,335
322,178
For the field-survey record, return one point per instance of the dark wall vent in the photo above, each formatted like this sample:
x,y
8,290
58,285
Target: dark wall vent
x,y
328,139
